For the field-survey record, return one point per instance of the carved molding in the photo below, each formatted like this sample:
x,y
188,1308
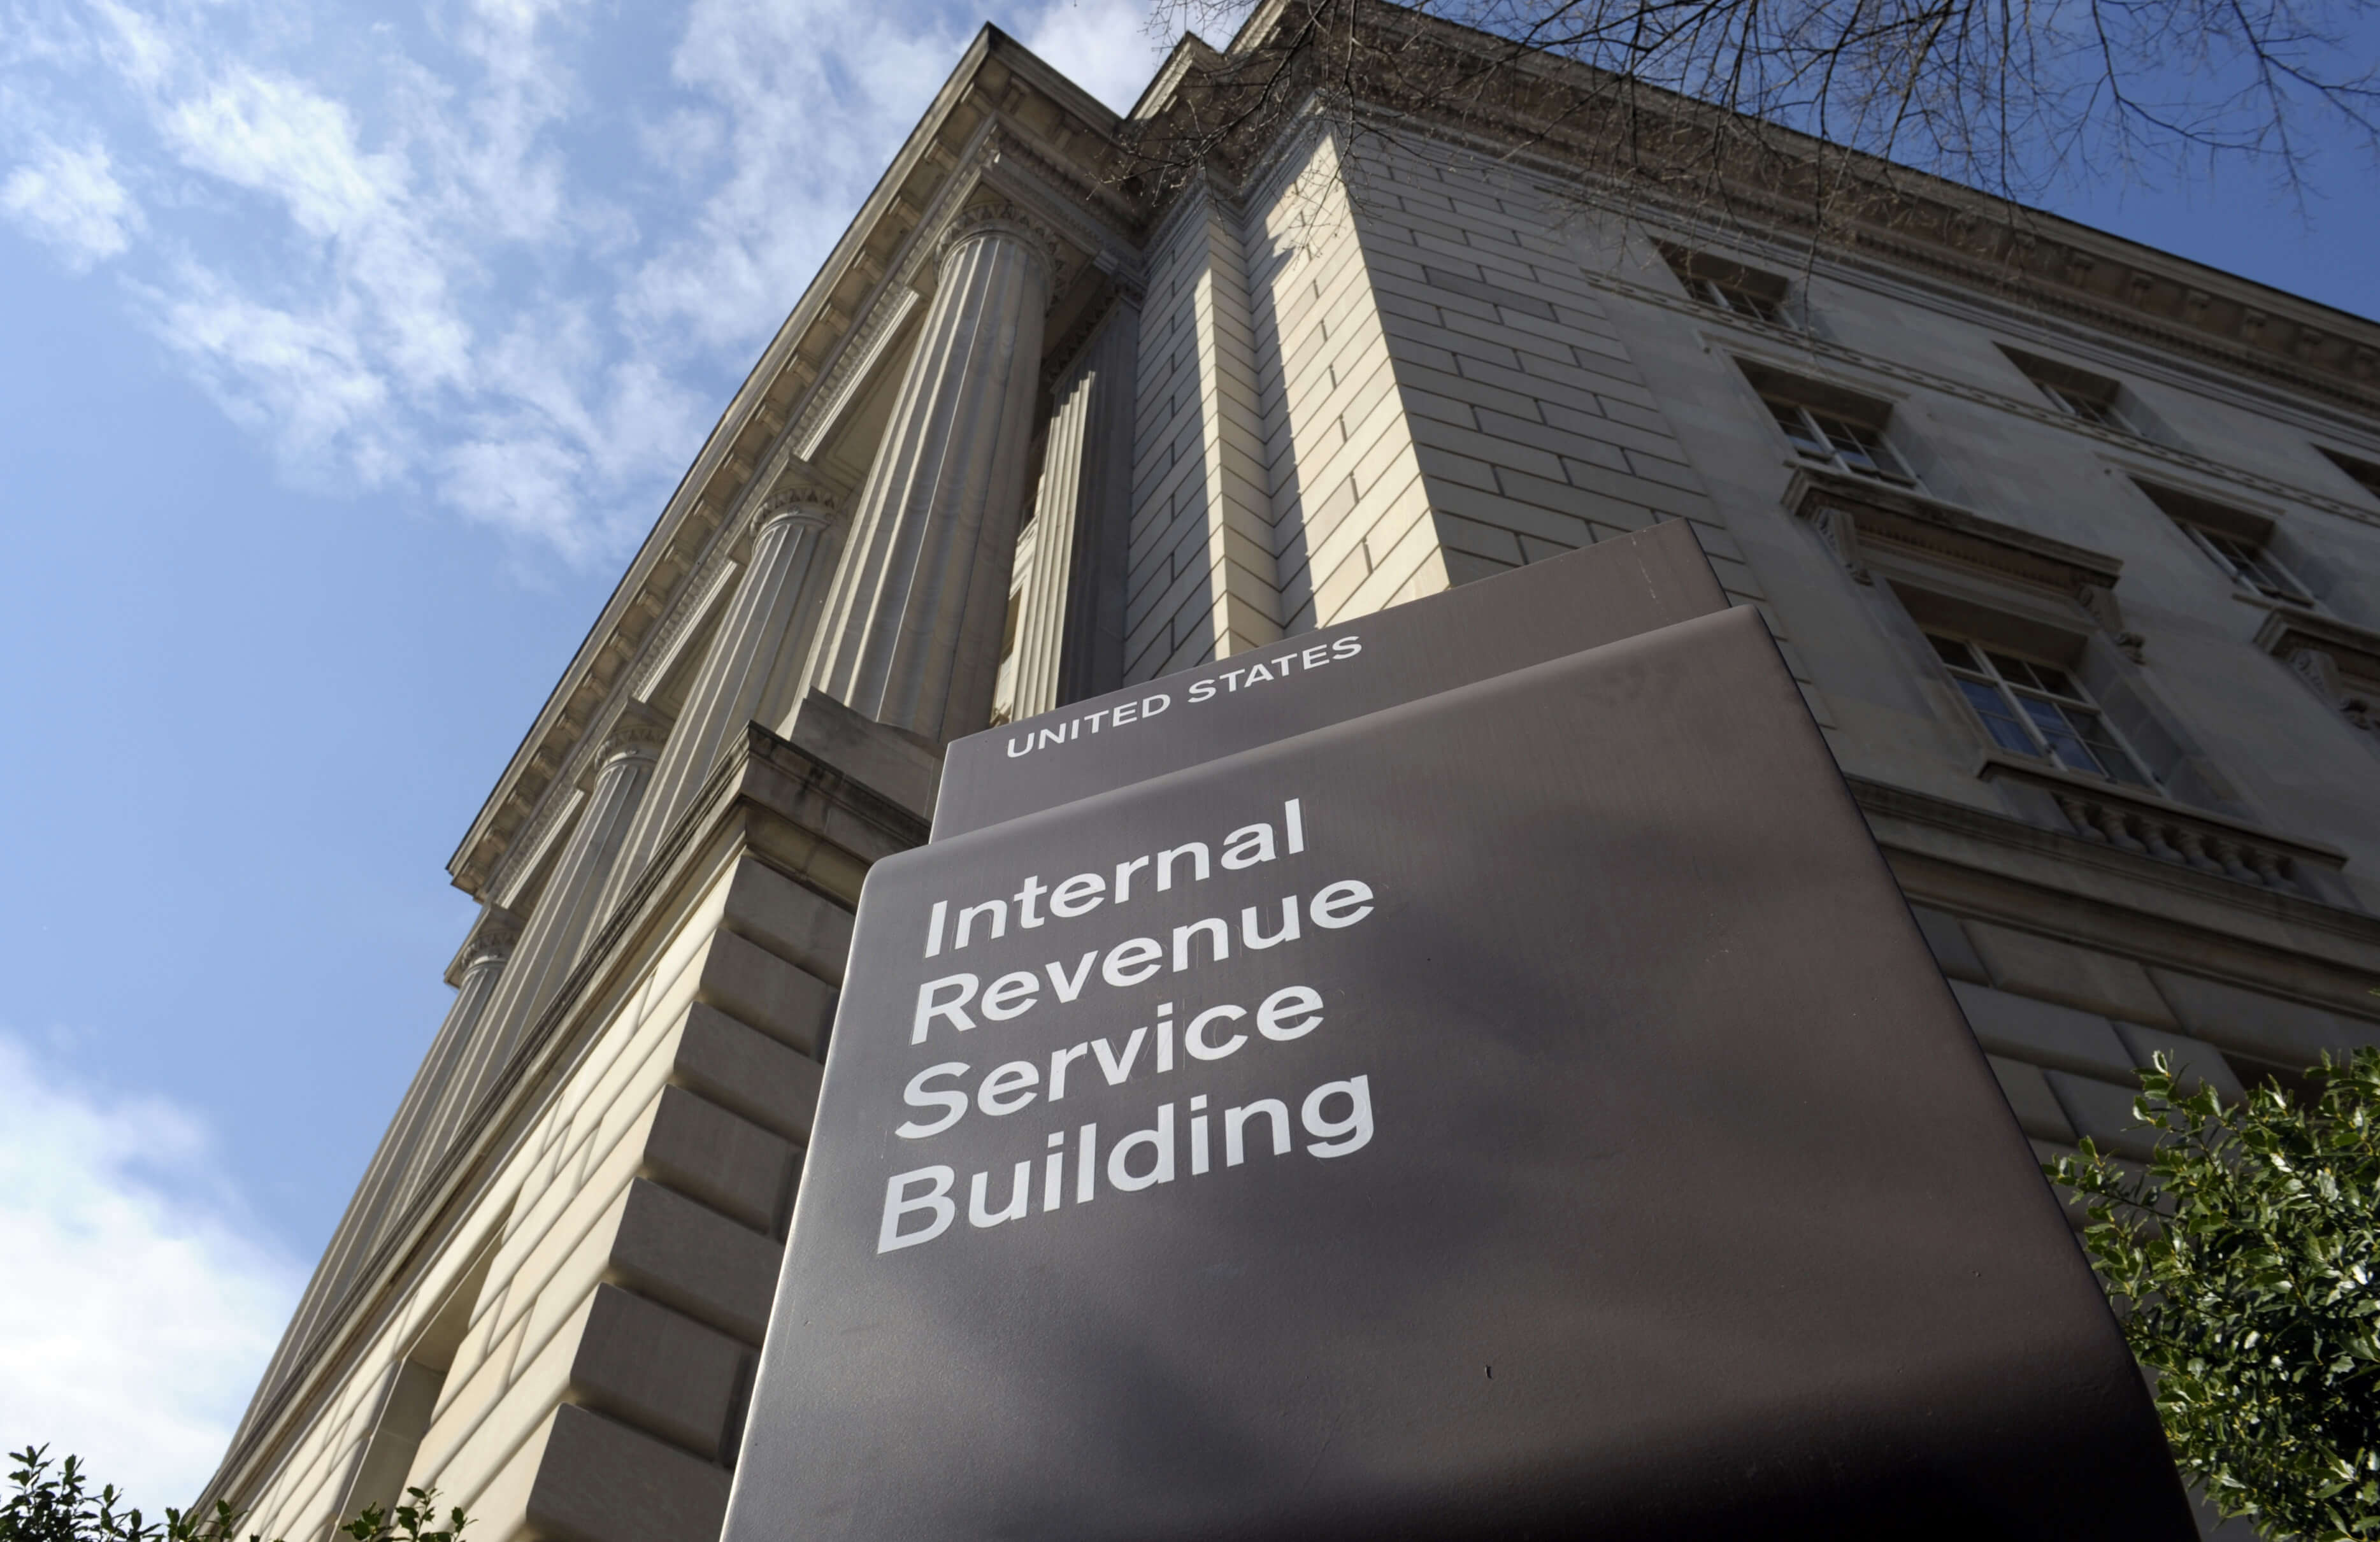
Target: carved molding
x,y
799,488
2340,662
1002,217
1851,513
694,598
2144,824
491,942
639,734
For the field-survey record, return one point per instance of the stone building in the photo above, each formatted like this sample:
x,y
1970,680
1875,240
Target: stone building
x,y
2073,546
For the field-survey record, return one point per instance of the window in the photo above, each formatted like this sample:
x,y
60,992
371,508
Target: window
x,y
2077,392
1729,286
2031,707
2237,543
1832,439
2366,474
2248,565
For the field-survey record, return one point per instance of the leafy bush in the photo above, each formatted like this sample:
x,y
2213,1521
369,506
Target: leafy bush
x,y
2240,1262
53,1502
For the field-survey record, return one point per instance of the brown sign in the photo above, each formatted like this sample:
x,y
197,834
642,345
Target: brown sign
x,y
1527,1110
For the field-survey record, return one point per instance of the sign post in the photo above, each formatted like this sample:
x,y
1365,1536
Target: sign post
x,y
1527,1109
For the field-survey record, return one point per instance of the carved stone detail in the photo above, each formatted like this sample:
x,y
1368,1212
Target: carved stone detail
x,y
1002,217
798,488
2340,662
639,731
1852,516
2152,827
2099,600
492,942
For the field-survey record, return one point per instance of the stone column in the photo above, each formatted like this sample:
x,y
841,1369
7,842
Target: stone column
x,y
443,1071
911,635
761,642
397,1166
1070,634
566,916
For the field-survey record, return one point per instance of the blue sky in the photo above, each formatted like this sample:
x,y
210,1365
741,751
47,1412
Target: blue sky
x,y
349,352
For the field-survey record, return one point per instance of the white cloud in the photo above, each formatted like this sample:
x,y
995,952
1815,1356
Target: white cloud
x,y
806,103
71,200
489,250
1108,48
141,1303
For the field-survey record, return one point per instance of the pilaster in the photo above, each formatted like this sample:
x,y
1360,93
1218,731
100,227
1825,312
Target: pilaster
x,y
1070,627
566,915
911,635
760,641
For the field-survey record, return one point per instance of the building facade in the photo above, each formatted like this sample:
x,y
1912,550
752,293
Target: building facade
x,y
2073,547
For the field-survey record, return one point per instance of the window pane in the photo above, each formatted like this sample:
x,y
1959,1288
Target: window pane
x,y
1951,651
2055,682
1797,429
1999,721
1749,304
2112,756
2016,672
2064,744
2268,575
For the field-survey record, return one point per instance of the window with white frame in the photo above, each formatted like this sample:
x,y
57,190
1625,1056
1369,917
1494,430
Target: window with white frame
x,y
1835,438
2032,707
1729,287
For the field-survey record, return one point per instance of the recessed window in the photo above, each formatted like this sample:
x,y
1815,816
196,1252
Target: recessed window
x,y
2031,707
1833,438
2239,543
2248,565
2366,474
2077,392
1729,286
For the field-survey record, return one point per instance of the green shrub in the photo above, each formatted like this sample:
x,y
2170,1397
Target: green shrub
x,y
2240,1262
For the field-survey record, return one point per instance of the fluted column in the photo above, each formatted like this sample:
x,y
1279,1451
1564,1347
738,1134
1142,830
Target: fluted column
x,y
760,641
1070,633
911,635
566,916
396,1167
442,1073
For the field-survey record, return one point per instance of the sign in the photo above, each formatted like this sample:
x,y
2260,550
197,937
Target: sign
x,y
1597,594
1524,1111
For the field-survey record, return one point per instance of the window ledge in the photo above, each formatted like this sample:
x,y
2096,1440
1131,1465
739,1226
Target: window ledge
x,y
2149,824
1851,512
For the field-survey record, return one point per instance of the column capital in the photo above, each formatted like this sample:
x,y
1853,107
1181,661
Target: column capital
x,y
638,734
491,942
999,217
798,490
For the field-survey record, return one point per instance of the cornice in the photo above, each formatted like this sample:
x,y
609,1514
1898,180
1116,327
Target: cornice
x,y
835,333
1915,219
694,600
